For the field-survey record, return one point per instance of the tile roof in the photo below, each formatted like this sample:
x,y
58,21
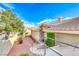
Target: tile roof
x,y
67,25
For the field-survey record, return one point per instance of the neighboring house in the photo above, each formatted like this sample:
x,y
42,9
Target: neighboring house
x,y
66,35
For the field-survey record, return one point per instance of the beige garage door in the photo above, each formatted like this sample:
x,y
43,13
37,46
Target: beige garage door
x,y
68,38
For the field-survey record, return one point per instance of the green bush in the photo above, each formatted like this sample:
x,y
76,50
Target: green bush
x,y
24,54
51,35
50,42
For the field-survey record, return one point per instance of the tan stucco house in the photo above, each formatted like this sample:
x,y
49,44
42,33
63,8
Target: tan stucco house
x,y
66,35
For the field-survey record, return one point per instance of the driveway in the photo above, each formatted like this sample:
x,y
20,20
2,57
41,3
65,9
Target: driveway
x,y
17,49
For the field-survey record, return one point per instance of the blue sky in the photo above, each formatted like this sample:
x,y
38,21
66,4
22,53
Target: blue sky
x,y
36,13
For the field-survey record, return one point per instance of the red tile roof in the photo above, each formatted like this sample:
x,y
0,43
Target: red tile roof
x,y
67,25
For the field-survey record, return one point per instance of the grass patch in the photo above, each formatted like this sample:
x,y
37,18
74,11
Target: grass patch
x,y
24,54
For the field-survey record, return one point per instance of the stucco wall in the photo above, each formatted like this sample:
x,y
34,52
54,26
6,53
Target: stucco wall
x,y
72,39
13,37
5,47
36,35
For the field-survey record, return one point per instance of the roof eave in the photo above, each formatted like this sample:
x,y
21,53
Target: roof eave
x,y
66,32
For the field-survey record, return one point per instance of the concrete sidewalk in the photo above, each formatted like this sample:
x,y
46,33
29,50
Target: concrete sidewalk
x,y
67,50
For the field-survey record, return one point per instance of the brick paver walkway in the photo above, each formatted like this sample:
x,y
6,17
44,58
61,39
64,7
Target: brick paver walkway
x,y
17,49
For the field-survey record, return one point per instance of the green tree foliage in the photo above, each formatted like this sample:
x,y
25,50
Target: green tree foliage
x,y
11,22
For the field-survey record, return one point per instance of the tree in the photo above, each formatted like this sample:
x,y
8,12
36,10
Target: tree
x,y
11,22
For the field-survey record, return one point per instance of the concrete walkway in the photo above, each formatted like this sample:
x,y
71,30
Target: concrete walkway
x,y
18,49
50,52
66,50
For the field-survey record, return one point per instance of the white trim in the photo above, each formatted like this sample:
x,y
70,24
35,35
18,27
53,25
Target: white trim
x,y
68,32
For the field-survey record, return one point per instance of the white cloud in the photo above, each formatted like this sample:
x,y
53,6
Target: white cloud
x,y
44,21
28,24
8,5
68,18
53,20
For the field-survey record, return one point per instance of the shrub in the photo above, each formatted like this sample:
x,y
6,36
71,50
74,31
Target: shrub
x,y
50,42
51,35
24,54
